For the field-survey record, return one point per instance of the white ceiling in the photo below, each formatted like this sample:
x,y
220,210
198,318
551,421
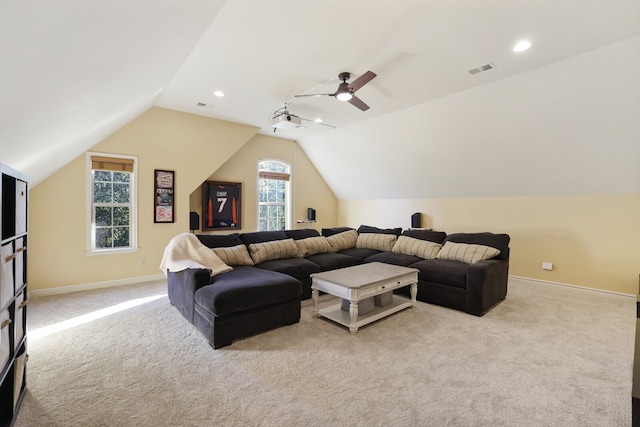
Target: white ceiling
x,y
73,72
262,53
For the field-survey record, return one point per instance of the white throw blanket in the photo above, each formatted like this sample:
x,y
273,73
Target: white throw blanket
x,y
186,251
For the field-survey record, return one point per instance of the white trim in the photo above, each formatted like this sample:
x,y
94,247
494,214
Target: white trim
x,y
289,200
582,288
133,234
143,279
111,251
96,285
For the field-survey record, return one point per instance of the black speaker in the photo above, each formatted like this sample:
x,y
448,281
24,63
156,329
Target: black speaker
x,y
194,221
311,214
415,220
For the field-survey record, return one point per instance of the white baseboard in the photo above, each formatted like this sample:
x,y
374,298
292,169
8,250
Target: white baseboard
x,y
528,280
143,279
96,285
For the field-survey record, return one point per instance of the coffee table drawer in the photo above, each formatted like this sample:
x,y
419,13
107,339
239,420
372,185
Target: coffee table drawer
x,y
387,286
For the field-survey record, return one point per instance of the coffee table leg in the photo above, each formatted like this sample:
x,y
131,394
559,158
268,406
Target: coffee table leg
x,y
414,293
353,311
314,297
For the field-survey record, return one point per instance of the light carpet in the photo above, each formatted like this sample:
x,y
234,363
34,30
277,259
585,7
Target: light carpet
x,y
546,356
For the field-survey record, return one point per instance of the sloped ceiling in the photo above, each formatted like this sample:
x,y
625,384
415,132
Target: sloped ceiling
x,y
568,128
75,72
72,72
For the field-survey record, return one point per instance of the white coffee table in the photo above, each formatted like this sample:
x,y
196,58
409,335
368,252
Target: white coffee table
x,y
359,282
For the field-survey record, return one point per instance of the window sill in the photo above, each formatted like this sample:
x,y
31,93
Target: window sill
x,y
93,252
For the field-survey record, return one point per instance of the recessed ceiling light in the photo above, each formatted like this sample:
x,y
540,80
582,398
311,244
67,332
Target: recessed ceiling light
x,y
522,46
318,120
219,93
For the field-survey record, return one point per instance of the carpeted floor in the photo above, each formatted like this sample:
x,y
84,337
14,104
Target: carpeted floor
x,y
548,355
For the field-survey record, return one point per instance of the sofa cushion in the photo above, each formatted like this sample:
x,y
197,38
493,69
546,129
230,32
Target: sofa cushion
x,y
262,236
332,261
498,241
441,271
379,241
301,234
430,235
393,258
368,229
359,254
276,249
417,247
342,241
219,240
335,230
313,245
234,255
300,268
245,288
464,252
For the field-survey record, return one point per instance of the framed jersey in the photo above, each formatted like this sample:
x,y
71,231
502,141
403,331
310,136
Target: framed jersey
x,y
221,205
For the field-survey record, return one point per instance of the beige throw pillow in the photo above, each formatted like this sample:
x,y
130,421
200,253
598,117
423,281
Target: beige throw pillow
x,y
342,241
416,247
380,242
313,245
234,255
466,253
275,249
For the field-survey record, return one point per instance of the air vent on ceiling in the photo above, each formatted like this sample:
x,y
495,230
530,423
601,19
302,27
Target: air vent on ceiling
x,y
203,105
482,68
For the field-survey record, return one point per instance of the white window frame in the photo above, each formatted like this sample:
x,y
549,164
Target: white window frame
x,y
90,225
288,201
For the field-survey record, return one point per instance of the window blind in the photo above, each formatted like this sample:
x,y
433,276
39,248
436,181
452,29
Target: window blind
x,y
280,176
111,164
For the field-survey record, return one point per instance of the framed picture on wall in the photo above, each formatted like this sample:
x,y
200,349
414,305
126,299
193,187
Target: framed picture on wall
x,y
221,207
163,184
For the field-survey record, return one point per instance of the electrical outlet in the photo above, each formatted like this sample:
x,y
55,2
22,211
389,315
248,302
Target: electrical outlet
x,y
143,261
547,266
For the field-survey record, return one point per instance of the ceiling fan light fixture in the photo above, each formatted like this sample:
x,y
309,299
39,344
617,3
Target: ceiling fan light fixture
x,y
345,92
344,96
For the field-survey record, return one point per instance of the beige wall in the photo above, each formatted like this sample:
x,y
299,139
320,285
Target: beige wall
x,y
592,241
307,186
193,146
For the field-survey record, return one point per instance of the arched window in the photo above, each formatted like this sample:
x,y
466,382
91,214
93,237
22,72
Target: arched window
x,y
273,195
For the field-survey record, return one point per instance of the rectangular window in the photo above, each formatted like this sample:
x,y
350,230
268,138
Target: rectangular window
x,y
272,204
273,200
111,194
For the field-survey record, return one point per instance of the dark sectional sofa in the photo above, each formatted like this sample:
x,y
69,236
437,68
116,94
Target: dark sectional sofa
x,y
255,298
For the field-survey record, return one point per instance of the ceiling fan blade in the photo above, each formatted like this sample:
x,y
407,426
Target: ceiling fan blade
x,y
358,103
362,80
314,94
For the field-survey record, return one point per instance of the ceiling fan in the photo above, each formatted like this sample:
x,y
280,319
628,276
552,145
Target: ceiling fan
x,y
346,90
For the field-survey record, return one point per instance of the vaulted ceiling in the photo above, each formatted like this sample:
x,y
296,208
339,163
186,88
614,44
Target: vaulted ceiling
x,y
73,72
